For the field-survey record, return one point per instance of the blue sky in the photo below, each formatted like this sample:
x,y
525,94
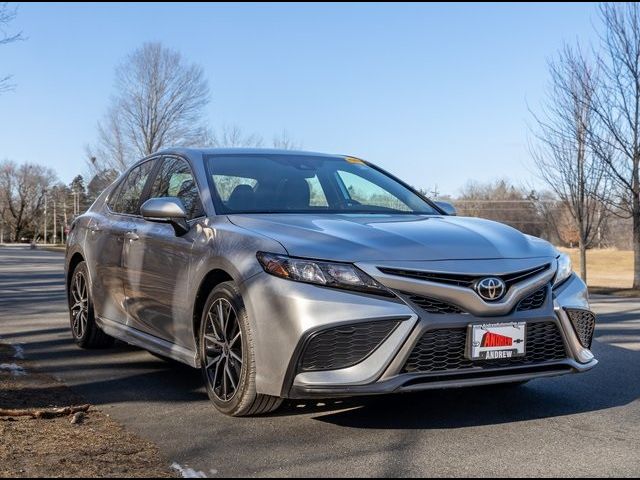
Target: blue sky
x,y
437,94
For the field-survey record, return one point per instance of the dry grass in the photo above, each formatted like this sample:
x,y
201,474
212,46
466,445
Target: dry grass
x,y
606,268
95,447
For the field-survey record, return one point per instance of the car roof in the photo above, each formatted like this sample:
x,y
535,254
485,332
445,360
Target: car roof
x,y
193,152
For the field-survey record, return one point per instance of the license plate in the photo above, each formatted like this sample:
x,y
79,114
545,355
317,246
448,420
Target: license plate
x,y
496,341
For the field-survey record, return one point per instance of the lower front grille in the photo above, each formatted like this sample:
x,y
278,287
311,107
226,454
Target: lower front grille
x,y
444,350
345,346
584,323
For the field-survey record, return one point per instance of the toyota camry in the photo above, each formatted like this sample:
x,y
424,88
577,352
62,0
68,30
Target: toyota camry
x,y
298,275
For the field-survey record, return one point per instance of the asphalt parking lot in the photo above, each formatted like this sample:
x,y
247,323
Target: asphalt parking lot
x,y
580,425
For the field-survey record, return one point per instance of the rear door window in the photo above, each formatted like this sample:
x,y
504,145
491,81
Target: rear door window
x,y
129,193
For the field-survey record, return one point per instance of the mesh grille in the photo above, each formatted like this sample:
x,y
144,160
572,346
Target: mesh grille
x,y
345,346
584,323
533,301
444,350
432,305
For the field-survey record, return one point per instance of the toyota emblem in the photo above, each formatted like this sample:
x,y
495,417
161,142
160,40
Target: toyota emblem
x,y
491,289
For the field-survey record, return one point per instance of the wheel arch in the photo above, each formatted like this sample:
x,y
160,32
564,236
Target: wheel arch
x,y
74,261
210,281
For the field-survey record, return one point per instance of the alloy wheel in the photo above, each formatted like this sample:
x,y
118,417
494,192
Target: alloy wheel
x,y
223,349
80,306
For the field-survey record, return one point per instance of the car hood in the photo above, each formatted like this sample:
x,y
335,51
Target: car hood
x,y
364,238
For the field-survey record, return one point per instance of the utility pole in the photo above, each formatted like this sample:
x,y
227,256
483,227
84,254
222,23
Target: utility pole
x,y
55,221
73,193
64,217
45,217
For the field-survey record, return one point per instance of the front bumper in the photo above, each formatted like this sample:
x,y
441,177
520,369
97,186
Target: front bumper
x,y
418,382
286,314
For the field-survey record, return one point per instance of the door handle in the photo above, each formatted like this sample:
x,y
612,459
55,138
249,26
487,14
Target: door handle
x,y
132,236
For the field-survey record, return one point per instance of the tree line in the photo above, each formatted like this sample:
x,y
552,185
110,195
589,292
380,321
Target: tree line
x,y
536,212
35,206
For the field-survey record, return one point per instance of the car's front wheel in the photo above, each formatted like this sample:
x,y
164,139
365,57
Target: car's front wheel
x,y
82,317
227,355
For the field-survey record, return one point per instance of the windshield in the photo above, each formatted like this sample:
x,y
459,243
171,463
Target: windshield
x,y
264,183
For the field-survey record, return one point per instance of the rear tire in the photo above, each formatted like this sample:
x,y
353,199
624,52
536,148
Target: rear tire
x,y
227,355
84,329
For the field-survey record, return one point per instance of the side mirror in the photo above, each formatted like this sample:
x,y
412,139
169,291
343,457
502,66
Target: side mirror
x,y
166,210
447,208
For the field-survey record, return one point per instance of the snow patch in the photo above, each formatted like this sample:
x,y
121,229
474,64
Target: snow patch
x,y
12,368
18,352
187,472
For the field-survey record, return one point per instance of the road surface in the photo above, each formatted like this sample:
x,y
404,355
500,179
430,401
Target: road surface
x,y
580,425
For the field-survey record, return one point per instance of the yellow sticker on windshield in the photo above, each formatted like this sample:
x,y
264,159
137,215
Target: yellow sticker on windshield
x,y
354,160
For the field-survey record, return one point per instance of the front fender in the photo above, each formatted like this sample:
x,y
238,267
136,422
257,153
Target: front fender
x,y
223,246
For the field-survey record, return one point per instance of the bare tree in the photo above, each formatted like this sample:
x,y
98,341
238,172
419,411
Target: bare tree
x,y
4,218
283,141
563,155
559,226
503,202
230,136
99,183
159,102
112,151
22,191
7,15
616,107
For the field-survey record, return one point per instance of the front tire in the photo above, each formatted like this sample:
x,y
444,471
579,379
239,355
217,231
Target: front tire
x,y
84,329
227,355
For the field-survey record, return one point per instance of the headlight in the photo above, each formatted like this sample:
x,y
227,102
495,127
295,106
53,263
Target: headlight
x,y
337,275
564,269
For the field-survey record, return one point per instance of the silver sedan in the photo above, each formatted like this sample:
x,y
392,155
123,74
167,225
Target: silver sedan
x,y
300,275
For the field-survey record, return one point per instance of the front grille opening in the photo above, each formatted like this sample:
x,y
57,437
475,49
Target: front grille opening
x,y
431,305
443,350
447,278
517,277
463,280
345,346
584,323
533,301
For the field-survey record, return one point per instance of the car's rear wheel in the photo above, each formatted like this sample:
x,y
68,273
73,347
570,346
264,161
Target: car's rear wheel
x,y
227,355
81,313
